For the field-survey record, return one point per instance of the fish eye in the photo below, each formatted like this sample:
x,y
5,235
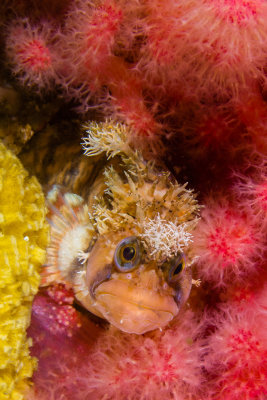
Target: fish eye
x,y
176,268
127,254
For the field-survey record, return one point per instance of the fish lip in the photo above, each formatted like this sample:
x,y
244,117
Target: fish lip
x,y
144,309
137,304
151,318
141,304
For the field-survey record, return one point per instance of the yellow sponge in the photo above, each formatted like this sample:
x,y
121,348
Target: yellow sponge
x,y
23,239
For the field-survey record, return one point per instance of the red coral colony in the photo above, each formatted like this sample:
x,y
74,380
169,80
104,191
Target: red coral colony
x,y
189,79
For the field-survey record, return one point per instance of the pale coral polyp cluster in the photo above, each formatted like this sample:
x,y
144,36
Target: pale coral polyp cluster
x,y
123,366
214,127
87,39
32,54
208,45
164,366
238,12
35,55
228,243
126,57
252,194
236,355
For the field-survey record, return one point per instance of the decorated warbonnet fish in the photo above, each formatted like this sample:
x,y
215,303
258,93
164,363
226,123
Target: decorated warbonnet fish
x,y
123,249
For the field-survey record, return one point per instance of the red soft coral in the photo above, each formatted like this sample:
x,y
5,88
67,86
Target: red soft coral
x,y
31,52
227,243
117,365
236,356
206,47
166,365
91,71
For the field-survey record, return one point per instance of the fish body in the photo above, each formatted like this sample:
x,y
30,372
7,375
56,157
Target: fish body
x,y
122,249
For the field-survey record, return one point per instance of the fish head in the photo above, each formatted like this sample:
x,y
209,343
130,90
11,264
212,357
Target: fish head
x,y
135,293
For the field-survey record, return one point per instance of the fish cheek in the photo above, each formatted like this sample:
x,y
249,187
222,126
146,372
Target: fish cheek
x,y
183,287
101,276
99,265
178,297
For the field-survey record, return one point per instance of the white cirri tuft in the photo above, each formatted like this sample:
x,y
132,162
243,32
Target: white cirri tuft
x,y
165,239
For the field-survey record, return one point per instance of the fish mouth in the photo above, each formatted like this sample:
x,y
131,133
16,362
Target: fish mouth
x,y
134,310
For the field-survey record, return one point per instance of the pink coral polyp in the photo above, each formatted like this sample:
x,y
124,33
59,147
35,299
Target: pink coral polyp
x,y
31,53
136,367
106,19
102,26
238,11
216,46
59,319
261,195
118,366
228,245
252,193
90,34
237,357
226,242
35,55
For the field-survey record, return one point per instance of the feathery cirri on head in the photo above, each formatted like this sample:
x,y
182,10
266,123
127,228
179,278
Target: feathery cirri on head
x,y
123,249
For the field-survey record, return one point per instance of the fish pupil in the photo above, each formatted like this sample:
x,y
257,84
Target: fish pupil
x,y
128,253
178,269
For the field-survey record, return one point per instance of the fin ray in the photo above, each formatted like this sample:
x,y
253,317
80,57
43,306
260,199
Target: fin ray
x,y
70,232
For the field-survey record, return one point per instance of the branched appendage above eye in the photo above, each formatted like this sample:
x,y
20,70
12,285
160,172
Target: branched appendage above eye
x,y
83,256
196,282
164,239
